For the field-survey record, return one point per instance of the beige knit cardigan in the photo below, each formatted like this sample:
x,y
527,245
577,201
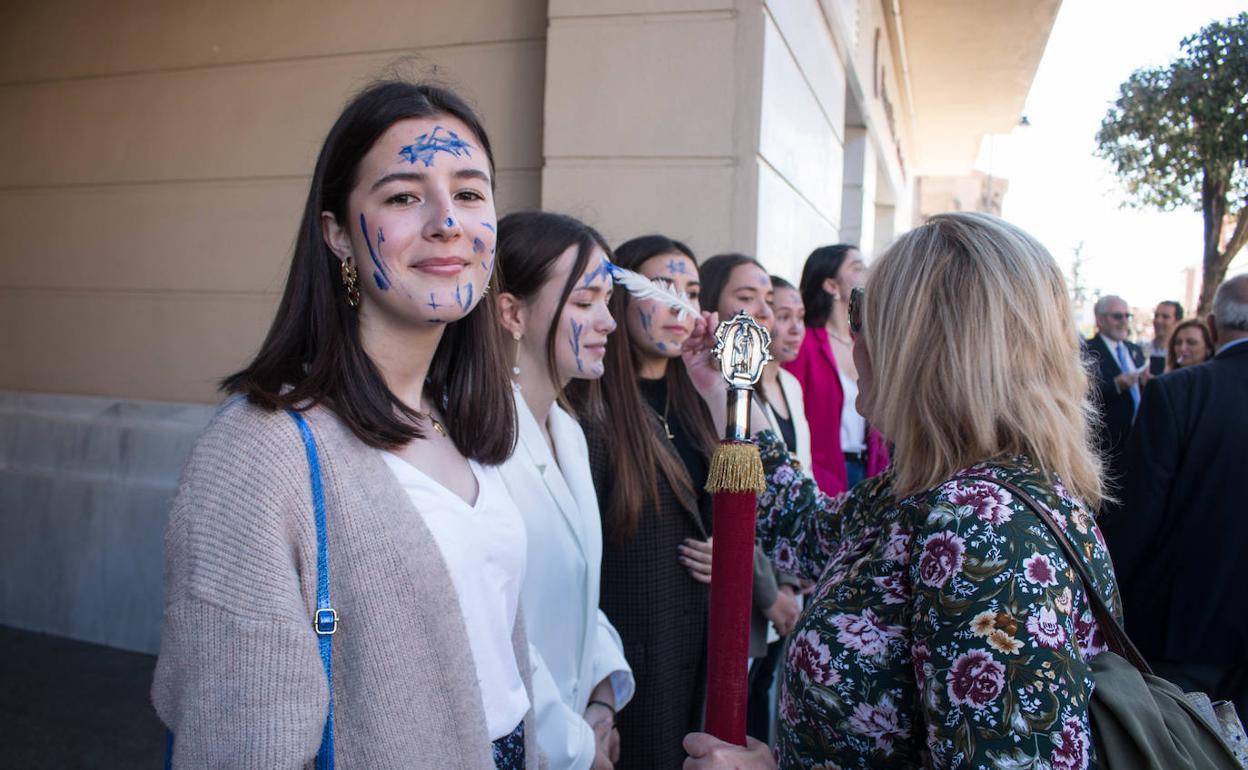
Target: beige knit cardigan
x,y
239,678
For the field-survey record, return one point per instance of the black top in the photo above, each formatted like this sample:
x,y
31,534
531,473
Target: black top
x,y
1116,409
787,431
1179,539
697,464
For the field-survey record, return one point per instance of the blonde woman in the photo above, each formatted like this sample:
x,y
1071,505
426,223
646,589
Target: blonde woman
x,y
946,628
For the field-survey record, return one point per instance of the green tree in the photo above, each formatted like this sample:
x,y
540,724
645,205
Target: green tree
x,y
1177,136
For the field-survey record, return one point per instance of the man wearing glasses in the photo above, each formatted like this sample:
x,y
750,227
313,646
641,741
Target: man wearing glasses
x,y
1120,372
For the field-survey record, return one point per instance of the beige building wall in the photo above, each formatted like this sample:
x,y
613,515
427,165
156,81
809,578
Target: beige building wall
x,y
975,191
154,159
651,118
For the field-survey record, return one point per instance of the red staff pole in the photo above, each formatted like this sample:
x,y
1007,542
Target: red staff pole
x,y
735,480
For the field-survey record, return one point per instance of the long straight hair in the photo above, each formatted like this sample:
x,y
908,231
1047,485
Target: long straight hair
x,y
529,245
313,353
637,450
976,357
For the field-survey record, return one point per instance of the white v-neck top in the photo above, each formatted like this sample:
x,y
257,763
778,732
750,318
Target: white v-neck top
x,y
484,549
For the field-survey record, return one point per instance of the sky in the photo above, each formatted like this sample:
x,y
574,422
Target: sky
x,y
1059,190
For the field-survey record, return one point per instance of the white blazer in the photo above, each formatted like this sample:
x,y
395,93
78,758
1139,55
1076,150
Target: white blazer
x,y
572,645
797,412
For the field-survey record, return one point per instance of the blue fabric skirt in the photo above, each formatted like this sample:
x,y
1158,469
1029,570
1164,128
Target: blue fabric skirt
x,y
509,750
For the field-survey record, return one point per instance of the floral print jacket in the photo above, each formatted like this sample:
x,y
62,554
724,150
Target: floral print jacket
x,y
946,629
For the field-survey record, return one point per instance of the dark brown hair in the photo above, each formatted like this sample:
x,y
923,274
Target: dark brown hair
x,y
780,283
823,263
636,451
529,245
313,353
1172,358
715,272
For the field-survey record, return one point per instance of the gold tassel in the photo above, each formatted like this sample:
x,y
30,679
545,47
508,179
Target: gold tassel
x,y
736,467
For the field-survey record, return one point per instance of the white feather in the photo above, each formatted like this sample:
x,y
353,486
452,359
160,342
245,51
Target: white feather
x,y
642,287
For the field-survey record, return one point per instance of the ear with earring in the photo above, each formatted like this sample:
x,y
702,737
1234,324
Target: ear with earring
x,y
350,279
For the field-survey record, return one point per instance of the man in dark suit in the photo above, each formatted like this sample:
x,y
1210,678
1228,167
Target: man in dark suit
x,y
1116,367
1180,541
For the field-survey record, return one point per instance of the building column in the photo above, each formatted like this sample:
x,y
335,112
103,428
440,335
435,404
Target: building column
x,y
858,204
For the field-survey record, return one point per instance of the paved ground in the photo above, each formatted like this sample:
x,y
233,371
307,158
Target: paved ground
x,y
67,704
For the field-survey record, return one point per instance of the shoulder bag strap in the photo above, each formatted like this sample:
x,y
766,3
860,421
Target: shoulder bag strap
x,y
1115,636
326,621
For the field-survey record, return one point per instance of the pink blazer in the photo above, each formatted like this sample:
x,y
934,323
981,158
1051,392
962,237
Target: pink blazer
x,y
815,368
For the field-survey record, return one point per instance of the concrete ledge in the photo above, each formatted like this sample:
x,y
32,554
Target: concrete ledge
x,y
85,486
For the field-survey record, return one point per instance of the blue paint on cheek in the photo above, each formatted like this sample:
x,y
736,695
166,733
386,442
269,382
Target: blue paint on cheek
x,y
478,245
467,298
379,275
489,227
575,342
458,298
646,320
662,347
428,145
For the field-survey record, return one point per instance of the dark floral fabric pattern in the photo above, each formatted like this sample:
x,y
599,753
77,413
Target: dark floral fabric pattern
x,y
945,630
509,750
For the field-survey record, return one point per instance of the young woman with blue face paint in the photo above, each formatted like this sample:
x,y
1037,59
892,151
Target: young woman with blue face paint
x,y
650,440
379,398
554,290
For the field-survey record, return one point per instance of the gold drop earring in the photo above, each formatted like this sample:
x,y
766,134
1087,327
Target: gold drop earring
x,y
515,369
350,279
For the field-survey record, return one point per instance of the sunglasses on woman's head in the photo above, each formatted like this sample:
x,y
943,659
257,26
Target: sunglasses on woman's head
x,y
856,297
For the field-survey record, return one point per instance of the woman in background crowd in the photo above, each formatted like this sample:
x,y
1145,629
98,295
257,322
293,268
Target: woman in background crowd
x,y
1190,344
844,448
780,391
381,384
947,628
554,291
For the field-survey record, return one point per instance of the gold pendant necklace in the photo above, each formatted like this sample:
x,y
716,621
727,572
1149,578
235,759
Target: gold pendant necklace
x,y
667,402
438,426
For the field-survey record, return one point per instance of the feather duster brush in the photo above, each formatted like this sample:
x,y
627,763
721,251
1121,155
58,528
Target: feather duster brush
x,y
641,287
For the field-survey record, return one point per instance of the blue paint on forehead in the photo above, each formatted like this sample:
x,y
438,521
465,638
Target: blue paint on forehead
x,y
428,145
603,268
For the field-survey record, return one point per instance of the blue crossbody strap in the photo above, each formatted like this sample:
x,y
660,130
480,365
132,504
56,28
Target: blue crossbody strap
x,y
326,621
